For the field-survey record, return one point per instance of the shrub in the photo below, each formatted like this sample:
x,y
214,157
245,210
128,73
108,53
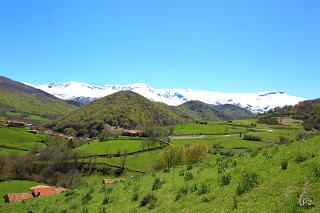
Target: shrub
x,y
208,199
300,158
224,180
108,199
316,171
181,173
189,167
251,138
221,165
188,176
204,189
183,190
135,197
247,183
283,140
157,183
284,164
149,199
172,156
196,153
87,197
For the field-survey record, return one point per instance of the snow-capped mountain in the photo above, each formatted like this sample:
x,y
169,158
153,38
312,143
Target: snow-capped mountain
x,y
255,102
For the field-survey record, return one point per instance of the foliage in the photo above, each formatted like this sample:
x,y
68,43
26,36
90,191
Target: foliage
x,y
247,182
269,120
196,153
251,138
188,176
224,180
284,164
149,199
157,183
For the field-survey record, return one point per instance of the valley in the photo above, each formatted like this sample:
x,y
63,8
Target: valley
x,y
193,157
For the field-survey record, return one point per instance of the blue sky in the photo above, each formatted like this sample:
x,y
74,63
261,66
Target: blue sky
x,y
220,45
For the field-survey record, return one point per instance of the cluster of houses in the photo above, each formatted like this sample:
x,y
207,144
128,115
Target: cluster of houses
x,y
36,191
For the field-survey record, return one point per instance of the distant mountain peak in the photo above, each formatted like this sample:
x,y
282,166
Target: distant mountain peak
x,y
255,102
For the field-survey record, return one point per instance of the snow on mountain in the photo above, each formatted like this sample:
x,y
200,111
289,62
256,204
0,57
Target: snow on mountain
x,y
255,102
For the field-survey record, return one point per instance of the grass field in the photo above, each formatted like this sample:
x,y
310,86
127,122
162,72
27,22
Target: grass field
x,y
212,128
29,117
19,138
278,192
112,147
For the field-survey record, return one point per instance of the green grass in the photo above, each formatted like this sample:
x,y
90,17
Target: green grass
x,y
19,138
24,102
232,142
15,186
9,151
112,147
274,193
212,128
30,117
140,162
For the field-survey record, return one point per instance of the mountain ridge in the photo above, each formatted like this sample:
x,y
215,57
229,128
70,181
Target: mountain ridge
x,y
255,102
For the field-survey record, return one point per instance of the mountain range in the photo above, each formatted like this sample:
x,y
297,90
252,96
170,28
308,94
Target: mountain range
x,y
85,93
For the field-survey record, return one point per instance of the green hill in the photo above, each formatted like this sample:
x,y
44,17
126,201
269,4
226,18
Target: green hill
x,y
122,109
18,97
205,112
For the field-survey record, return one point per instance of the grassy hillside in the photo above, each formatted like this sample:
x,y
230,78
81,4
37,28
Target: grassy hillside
x,y
235,184
18,97
124,109
205,112
18,140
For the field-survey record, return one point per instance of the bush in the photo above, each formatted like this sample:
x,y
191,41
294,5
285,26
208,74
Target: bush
x,y
172,156
150,198
183,190
204,189
188,176
196,153
221,165
251,138
157,183
316,171
284,164
247,183
224,180
208,199
135,197
283,140
181,173
109,199
189,167
300,158
87,197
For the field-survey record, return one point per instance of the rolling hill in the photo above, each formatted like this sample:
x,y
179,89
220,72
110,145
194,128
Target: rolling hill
x,y
123,109
22,98
205,112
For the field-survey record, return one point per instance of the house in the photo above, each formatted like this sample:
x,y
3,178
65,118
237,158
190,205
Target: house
x,y
42,190
36,191
13,197
111,181
132,132
14,123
